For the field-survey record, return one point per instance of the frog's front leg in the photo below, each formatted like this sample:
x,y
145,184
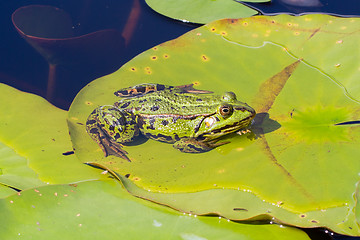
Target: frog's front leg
x,y
110,127
192,145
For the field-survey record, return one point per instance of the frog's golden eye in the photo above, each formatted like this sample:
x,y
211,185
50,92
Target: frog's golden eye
x,y
226,110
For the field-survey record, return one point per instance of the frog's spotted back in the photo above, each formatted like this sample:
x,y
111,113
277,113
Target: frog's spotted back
x,y
146,88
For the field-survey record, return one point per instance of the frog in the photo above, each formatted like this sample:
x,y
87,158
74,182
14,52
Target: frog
x,y
192,120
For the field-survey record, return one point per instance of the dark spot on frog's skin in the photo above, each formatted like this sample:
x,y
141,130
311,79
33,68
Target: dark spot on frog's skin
x,y
125,105
216,131
92,121
165,122
141,89
144,100
158,100
195,148
68,153
160,87
176,137
94,131
131,122
200,138
112,128
217,119
122,93
117,136
154,108
79,123
161,137
151,127
240,108
183,107
151,124
137,108
199,100
127,175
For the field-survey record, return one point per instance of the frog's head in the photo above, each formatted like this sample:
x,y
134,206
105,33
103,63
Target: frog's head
x,y
231,115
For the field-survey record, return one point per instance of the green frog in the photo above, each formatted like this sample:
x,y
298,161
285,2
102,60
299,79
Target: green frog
x,y
193,120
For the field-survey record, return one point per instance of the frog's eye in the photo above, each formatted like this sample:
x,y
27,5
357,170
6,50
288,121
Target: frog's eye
x,y
226,110
229,96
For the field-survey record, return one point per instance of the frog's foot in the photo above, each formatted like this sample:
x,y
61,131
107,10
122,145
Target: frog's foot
x,y
191,145
107,146
190,89
243,131
112,148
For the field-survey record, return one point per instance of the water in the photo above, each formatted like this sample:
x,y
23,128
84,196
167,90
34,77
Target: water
x,y
24,68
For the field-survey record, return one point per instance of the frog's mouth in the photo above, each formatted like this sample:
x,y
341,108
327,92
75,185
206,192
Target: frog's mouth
x,y
227,129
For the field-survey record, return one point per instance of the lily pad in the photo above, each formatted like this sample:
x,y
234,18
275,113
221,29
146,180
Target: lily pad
x,y
302,167
202,11
35,147
107,211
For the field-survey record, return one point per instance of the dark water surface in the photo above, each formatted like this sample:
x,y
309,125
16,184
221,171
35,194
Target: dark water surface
x,y
24,68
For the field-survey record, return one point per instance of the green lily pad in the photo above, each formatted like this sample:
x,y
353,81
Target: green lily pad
x,y
325,42
35,147
303,165
6,191
202,11
107,211
14,170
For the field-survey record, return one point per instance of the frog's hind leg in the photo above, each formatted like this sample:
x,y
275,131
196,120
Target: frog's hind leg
x,y
140,89
110,127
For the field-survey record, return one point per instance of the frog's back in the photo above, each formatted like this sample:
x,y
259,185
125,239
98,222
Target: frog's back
x,y
168,102
157,99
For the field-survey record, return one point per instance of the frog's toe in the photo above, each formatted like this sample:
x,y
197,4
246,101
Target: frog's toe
x,y
113,148
192,146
